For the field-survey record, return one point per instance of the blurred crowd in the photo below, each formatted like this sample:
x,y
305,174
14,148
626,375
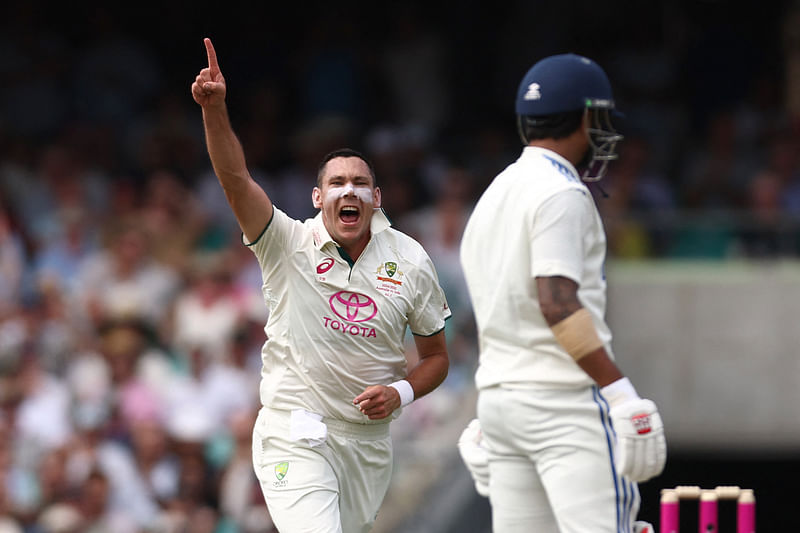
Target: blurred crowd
x,y
131,317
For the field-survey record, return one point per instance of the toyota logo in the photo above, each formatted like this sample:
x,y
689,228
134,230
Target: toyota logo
x,y
353,306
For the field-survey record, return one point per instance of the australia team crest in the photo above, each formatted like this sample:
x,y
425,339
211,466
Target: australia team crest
x,y
389,278
281,469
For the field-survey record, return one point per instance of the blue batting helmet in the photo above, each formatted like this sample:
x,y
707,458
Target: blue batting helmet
x,y
564,82
569,82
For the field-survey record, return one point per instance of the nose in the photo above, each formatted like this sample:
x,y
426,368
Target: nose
x,y
348,190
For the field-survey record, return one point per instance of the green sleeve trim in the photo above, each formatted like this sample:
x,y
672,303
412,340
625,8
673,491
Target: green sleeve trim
x,y
262,231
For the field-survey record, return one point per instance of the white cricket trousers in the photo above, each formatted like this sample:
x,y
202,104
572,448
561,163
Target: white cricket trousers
x,y
334,487
551,462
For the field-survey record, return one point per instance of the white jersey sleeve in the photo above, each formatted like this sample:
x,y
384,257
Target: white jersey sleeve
x,y
280,236
430,308
557,233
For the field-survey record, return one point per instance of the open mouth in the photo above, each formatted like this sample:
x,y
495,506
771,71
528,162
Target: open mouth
x,y
349,214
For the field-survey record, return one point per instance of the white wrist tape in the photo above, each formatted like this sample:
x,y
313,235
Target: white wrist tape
x,y
619,392
405,390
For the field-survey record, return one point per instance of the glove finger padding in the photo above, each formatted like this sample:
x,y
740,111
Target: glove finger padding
x,y
641,446
475,456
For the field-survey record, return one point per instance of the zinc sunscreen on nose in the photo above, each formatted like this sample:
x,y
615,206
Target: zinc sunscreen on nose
x,y
362,193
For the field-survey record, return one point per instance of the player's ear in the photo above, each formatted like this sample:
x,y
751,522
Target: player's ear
x,y
316,197
376,197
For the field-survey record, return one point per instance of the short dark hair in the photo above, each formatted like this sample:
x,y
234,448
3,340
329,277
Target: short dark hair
x,y
345,152
555,126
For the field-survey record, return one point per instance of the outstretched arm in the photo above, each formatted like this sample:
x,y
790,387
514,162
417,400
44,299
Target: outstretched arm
x,y
250,204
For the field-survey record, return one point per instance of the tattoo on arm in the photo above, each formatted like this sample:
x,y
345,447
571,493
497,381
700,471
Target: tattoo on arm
x,y
558,298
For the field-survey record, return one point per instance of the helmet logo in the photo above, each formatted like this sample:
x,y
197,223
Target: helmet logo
x,y
533,92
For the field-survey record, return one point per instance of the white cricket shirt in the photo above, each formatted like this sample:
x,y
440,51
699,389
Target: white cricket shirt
x,y
536,218
335,328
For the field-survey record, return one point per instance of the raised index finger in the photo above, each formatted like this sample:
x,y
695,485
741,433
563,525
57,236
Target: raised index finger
x,y
212,57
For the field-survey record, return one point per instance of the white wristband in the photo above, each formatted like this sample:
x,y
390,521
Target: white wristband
x,y
620,391
405,390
